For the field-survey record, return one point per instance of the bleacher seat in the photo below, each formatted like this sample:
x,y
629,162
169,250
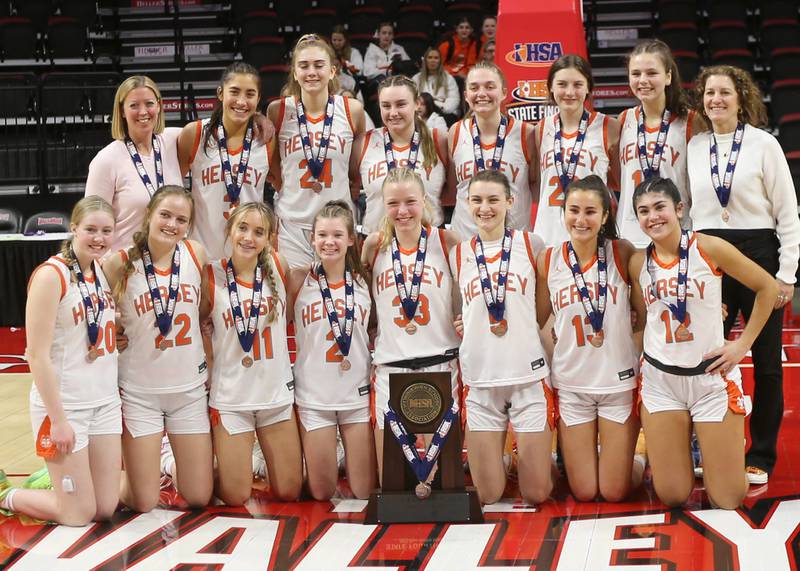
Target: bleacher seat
x,y
681,36
785,64
415,44
260,23
365,20
289,12
740,58
454,12
318,21
677,11
241,8
781,33
688,64
17,38
78,93
37,11
273,77
10,221
727,35
361,42
789,132
778,9
727,10
19,96
784,97
265,50
415,18
85,11
66,38
49,222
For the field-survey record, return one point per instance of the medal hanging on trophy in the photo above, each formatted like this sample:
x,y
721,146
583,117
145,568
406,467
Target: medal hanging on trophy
x,y
93,316
495,303
344,336
424,466
595,315
409,299
139,165
677,309
316,165
723,188
245,333
499,143
651,168
163,312
413,151
234,187
567,173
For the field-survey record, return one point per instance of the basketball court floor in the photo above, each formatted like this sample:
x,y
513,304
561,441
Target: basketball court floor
x,y
561,534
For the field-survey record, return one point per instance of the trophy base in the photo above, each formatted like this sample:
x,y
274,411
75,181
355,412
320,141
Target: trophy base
x,y
443,506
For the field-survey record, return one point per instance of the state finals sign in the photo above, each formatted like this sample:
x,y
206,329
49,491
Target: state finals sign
x,y
530,37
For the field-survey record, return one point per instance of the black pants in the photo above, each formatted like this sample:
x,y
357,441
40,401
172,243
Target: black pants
x,y
761,246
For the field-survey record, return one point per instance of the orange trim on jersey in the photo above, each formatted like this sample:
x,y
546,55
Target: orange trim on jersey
x,y
623,271
605,134
196,145
377,249
458,260
346,102
280,271
635,399
541,133
464,393
556,406
456,134
281,111
711,266
410,251
210,271
548,253
364,149
124,254
214,417
435,135
670,265
489,259
529,247
586,266
573,134
735,399
443,244
44,444
372,414
622,118
488,146
689,121
672,118
60,278
524,143
194,257
551,408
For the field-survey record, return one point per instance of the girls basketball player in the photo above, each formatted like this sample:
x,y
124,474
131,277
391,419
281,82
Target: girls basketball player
x,y
162,373
689,375
496,273
413,291
71,349
311,161
227,165
489,140
331,315
251,379
572,144
584,282
404,141
654,134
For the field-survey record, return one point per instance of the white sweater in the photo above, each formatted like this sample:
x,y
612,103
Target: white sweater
x,y
762,192
377,61
446,97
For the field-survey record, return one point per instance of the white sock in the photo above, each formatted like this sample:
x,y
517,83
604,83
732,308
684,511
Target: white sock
x,y
8,502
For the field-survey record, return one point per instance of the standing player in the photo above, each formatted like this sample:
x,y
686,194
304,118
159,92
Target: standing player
x,y
572,144
654,134
404,141
689,375
413,291
331,315
227,165
496,273
162,373
584,282
489,140
71,349
251,380
311,160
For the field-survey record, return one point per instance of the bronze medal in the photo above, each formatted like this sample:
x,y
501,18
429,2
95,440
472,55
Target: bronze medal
x,y
92,355
344,365
316,186
247,361
164,345
725,215
597,339
500,328
411,328
682,333
423,490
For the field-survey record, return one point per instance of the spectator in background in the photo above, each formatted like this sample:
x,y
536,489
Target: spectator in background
x,y
350,63
441,86
460,51
427,111
487,52
379,57
488,31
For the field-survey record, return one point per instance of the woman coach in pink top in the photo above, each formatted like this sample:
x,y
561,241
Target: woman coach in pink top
x,y
142,158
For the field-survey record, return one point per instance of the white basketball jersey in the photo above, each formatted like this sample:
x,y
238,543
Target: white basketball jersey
x,y
211,203
82,384
297,202
372,165
143,366
517,357
703,308
268,382
435,333
514,164
673,166
592,159
321,382
578,365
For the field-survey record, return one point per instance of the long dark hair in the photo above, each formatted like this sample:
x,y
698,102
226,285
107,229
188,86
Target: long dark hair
x,y
676,100
595,184
236,68
665,186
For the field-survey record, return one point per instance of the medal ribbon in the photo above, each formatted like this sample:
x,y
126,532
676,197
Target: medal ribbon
x,y
723,190
408,300
343,338
421,466
246,335
139,165
391,163
499,143
315,164
234,187
566,174
595,315
92,317
163,314
679,309
496,304
651,168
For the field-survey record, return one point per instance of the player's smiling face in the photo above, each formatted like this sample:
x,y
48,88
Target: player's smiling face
x,y
489,205
569,89
484,90
583,215
331,239
397,107
140,109
170,221
648,78
658,215
249,236
404,202
93,235
312,69
239,97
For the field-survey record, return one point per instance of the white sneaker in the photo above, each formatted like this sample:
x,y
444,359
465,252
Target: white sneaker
x,y
167,457
756,476
259,464
339,451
